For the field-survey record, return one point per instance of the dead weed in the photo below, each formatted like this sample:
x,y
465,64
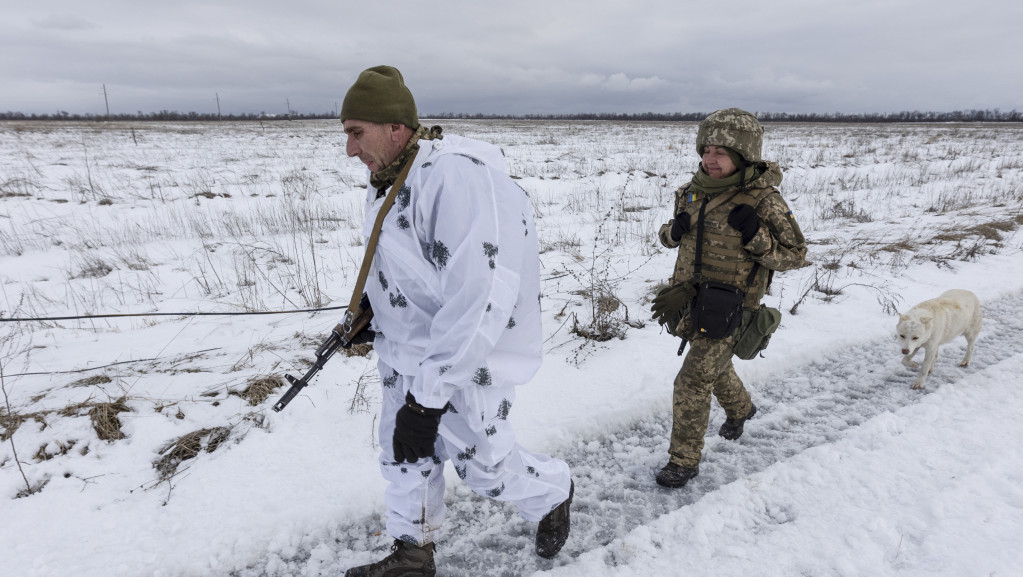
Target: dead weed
x,y
103,416
91,381
9,422
259,389
187,447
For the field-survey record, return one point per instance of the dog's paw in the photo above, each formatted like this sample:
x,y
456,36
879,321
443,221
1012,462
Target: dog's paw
x,y
964,364
917,386
911,364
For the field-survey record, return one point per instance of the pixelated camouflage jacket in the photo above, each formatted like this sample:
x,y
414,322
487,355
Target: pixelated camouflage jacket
x,y
778,244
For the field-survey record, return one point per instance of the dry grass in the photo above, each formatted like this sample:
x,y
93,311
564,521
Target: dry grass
x,y
9,422
103,416
104,419
993,230
901,245
187,447
259,389
91,381
62,449
362,350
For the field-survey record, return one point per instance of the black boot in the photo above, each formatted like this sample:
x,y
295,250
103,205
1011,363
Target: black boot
x,y
552,532
675,476
405,560
731,429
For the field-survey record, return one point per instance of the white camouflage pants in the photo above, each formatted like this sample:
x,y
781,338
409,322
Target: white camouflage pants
x,y
484,454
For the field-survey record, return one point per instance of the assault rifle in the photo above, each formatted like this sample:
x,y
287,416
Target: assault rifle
x,y
343,336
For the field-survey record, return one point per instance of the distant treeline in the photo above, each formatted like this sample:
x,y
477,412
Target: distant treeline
x,y
914,116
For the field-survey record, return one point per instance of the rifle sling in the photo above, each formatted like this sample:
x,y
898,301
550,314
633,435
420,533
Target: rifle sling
x,y
371,244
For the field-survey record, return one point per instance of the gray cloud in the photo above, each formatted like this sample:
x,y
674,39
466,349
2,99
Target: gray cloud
x,y
518,56
63,22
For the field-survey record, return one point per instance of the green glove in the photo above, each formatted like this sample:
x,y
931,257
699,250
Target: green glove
x,y
669,303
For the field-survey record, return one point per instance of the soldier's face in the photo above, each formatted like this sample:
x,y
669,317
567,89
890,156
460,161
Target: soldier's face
x,y
376,145
716,162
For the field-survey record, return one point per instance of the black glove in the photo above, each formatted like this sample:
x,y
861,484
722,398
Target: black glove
x,y
670,301
415,431
680,226
743,218
364,336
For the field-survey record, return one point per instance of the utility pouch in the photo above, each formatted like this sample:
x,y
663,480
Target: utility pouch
x,y
756,331
717,310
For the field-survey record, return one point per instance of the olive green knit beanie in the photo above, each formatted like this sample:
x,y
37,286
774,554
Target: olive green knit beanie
x,y
379,95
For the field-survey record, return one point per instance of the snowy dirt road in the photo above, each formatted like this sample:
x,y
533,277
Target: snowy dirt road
x,y
809,406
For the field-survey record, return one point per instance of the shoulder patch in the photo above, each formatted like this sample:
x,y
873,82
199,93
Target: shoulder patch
x,y
687,195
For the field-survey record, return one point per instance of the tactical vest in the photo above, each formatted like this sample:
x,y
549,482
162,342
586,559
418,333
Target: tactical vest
x,y
724,259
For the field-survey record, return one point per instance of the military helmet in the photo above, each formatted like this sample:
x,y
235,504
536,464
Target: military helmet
x,y
732,128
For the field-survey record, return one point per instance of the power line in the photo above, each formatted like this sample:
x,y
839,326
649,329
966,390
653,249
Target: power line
x,y
192,314
85,370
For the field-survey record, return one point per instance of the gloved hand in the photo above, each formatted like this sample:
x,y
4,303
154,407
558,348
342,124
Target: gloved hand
x,y
743,218
680,226
364,336
670,301
415,431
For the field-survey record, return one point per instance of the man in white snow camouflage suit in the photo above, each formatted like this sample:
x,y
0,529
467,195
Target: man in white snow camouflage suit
x,y
747,233
455,287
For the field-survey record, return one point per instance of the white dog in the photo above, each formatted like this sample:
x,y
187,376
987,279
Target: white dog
x,y
935,322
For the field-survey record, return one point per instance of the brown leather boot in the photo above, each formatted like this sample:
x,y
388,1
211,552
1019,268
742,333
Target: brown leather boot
x,y
405,560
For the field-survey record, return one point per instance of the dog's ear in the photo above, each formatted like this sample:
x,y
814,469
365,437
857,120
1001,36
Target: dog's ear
x,y
902,317
925,319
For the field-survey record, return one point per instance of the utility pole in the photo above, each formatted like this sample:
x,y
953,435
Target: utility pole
x,y
219,117
288,102
106,100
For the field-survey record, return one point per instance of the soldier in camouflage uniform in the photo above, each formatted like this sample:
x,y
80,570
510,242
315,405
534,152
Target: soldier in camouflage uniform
x,y
748,232
454,286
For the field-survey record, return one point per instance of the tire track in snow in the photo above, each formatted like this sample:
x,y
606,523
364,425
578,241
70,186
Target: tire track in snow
x,y
615,490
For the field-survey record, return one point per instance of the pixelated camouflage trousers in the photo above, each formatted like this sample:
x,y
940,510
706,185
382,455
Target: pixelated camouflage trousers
x,y
707,370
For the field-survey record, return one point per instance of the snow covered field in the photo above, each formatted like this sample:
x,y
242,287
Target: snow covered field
x,y
145,445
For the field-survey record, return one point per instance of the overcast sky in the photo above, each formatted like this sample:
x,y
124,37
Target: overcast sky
x,y
514,56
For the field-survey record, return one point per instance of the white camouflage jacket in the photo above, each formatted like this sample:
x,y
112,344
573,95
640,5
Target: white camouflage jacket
x,y
455,284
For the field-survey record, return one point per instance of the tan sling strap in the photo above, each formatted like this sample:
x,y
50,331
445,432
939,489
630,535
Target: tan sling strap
x,y
371,245
356,318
